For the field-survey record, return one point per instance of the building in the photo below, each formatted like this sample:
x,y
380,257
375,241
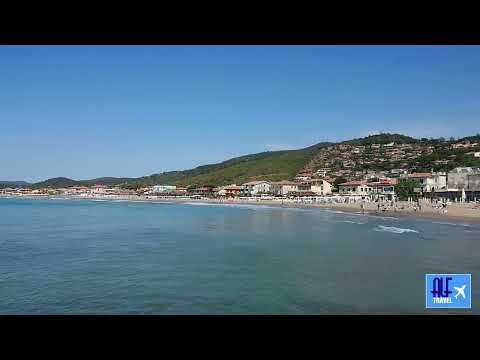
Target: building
x,y
383,189
204,190
181,189
230,190
159,189
256,187
322,172
429,182
283,187
220,191
355,187
459,180
467,178
463,145
304,175
397,172
320,186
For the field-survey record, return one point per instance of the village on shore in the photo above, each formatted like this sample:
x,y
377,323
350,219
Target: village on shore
x,y
317,182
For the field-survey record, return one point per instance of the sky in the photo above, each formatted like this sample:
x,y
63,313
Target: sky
x,y
91,111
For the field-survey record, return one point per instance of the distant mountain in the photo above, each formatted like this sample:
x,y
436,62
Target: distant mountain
x,y
66,182
14,183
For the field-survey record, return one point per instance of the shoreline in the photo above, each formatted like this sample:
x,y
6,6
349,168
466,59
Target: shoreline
x,y
456,212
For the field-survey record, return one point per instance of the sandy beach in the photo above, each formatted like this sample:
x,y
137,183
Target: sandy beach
x,y
466,212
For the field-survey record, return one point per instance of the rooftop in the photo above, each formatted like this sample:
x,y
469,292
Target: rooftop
x,y
354,183
419,175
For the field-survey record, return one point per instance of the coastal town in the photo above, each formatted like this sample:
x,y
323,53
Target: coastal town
x,y
338,175
372,172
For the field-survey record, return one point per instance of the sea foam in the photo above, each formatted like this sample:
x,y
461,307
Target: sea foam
x,y
394,230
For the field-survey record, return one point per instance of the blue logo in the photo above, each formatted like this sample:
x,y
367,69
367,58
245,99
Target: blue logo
x,y
448,291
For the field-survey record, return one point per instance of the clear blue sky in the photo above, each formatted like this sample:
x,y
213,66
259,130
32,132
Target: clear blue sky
x,y
92,111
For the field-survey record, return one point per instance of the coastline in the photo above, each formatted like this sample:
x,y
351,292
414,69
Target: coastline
x,y
459,212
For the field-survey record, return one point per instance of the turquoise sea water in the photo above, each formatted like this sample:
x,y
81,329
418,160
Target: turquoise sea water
x,y
107,257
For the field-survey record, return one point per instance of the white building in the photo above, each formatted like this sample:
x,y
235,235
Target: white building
x,y
321,187
256,187
158,189
355,187
429,182
283,187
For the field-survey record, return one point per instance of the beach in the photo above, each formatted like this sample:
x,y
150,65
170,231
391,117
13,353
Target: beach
x,y
466,212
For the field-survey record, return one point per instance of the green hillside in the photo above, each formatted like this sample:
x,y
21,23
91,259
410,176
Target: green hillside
x,y
279,165
270,165
66,182
275,165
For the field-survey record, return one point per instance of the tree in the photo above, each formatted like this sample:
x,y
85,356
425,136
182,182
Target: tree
x,y
405,188
339,180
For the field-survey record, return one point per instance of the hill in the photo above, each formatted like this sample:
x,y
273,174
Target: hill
x,y
382,139
270,165
57,182
14,183
275,165
348,159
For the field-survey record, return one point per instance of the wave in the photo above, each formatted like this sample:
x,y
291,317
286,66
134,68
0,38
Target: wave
x,y
200,204
449,223
352,222
394,230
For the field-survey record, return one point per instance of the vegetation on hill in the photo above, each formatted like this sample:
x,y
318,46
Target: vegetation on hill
x,y
382,139
455,157
5,184
61,182
271,165
279,165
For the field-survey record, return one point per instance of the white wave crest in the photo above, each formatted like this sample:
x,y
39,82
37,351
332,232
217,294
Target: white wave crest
x,y
394,230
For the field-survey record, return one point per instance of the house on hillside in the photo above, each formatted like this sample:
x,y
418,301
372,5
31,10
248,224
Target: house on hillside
x,y
474,153
304,175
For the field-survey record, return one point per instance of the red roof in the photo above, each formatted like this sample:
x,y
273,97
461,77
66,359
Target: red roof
x,y
420,175
386,182
233,188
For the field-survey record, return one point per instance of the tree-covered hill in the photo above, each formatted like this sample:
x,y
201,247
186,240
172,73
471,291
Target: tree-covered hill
x,y
277,165
382,139
270,165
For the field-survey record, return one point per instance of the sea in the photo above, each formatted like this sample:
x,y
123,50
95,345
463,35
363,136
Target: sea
x,y
75,256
